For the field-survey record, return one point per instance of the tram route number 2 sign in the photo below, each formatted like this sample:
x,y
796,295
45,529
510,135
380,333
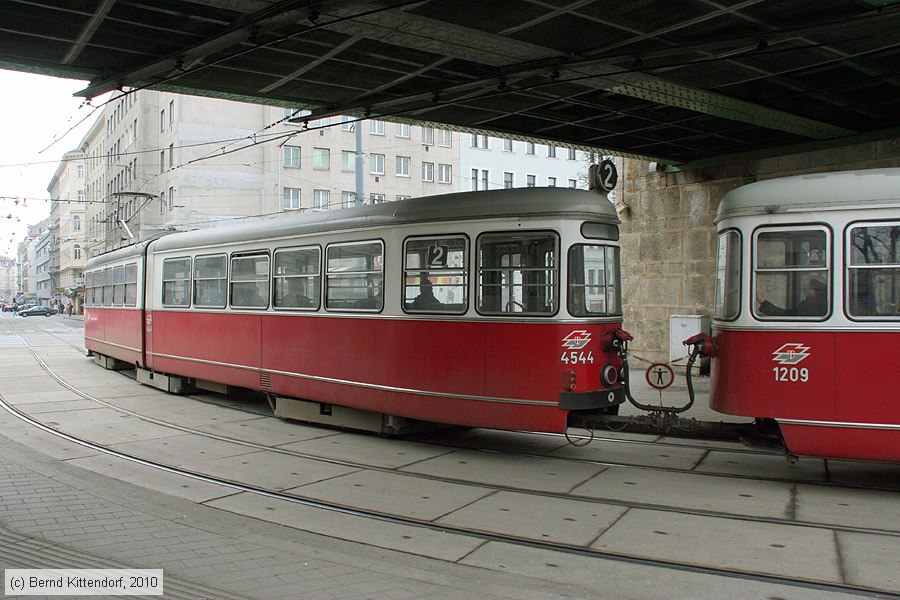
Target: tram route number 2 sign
x,y
660,376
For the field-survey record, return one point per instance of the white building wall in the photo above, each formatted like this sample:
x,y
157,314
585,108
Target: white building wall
x,y
494,158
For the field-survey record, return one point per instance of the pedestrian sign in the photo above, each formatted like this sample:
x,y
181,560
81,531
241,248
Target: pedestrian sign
x,y
660,376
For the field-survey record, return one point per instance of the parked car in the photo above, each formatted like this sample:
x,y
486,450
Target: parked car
x,y
37,311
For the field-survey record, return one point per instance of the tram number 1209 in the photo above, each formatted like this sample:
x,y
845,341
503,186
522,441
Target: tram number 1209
x,y
792,374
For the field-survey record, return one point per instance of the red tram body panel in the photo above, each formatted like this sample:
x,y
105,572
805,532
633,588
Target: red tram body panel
x,y
807,324
522,288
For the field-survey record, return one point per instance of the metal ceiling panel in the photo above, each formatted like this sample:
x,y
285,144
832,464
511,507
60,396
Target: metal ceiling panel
x,y
684,82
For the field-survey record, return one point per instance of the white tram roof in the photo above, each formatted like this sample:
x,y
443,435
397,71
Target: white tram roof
x,y
813,192
507,203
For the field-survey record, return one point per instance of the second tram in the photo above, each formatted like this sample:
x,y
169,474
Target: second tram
x,y
807,316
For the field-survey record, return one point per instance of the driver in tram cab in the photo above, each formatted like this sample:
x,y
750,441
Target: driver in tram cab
x,y
426,298
814,303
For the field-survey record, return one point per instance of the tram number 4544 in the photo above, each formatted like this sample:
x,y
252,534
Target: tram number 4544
x,y
792,374
573,357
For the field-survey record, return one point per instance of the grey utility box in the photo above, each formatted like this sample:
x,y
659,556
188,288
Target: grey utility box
x,y
681,327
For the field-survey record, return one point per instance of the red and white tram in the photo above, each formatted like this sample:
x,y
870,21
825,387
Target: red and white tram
x,y
496,309
807,312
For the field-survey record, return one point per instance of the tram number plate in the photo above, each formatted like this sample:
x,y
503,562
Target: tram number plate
x,y
791,374
437,255
574,357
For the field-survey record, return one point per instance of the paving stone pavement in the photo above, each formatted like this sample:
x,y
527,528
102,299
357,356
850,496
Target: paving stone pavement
x,y
55,515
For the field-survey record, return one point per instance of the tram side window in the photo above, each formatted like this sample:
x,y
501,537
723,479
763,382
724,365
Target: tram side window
x,y
119,285
297,278
210,281
728,275
97,291
594,280
107,287
354,276
176,282
435,275
518,273
131,284
873,271
250,281
89,288
792,273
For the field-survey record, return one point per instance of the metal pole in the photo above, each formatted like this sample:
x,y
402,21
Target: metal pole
x,y
360,192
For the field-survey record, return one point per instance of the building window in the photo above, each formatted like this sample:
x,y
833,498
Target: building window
x,y
292,156
376,199
171,198
551,151
403,166
321,198
402,197
427,171
348,199
428,136
76,254
291,198
290,113
376,127
348,161
171,114
480,141
321,159
530,180
171,156
573,184
507,180
162,161
376,164
348,123
529,147
79,171
551,182
445,138
484,179
474,182
76,223
162,120
507,145
445,173
401,130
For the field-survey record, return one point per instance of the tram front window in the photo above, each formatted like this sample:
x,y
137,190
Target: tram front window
x,y
517,273
594,281
792,273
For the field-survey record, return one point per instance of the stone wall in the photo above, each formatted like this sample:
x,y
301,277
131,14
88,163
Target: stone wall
x,y
668,233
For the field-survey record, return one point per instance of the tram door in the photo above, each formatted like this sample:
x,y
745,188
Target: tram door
x,y
518,273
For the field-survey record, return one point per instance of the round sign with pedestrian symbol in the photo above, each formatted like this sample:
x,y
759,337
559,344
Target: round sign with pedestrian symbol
x,y
660,376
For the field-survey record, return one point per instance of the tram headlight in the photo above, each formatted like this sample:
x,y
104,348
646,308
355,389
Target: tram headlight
x,y
608,375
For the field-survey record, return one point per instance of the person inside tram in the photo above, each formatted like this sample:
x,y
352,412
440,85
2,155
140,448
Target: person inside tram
x,y
290,294
813,304
426,298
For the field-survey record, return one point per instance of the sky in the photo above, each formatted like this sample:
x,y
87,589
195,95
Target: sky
x,y
36,116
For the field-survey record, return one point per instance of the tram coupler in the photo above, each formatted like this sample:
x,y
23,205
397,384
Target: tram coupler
x,y
618,341
703,345
666,423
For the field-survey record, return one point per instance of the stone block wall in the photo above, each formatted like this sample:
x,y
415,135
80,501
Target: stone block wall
x,y
668,234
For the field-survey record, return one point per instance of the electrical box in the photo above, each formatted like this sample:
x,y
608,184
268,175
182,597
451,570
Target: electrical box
x,y
681,327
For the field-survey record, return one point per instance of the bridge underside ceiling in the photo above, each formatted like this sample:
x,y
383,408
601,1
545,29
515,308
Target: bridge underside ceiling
x,y
686,83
